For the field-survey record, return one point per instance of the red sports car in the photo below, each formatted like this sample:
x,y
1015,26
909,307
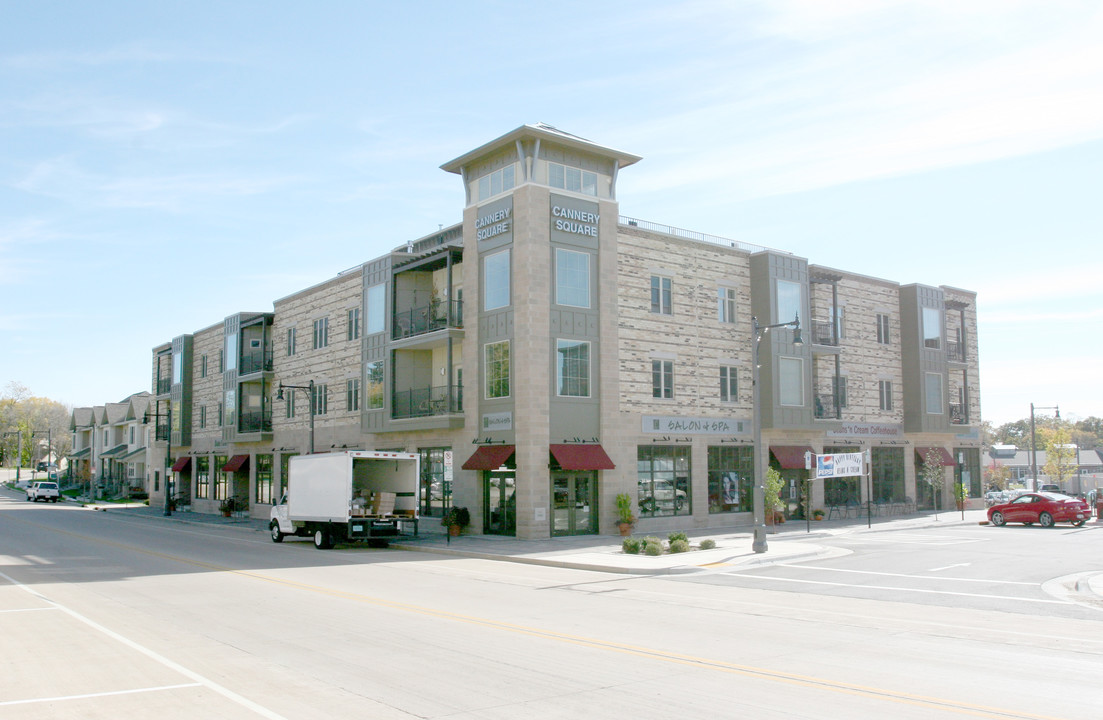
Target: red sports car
x,y
1043,508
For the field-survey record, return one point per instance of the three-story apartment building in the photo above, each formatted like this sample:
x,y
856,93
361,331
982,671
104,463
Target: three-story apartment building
x,y
546,354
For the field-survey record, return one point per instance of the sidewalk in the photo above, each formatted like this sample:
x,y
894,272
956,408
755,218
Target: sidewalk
x,y
786,543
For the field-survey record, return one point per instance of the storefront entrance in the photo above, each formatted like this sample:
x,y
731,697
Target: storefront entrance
x,y
500,502
574,502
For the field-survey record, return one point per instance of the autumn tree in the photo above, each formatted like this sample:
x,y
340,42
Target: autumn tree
x,y
1060,456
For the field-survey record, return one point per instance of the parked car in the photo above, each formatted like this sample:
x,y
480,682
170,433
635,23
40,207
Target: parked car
x,y
1046,509
43,490
1050,489
664,496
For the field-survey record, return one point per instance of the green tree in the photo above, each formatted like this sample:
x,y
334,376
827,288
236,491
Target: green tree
x,y
1060,456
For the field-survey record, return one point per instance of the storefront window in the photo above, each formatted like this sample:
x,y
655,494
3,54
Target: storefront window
x,y
663,476
888,474
731,479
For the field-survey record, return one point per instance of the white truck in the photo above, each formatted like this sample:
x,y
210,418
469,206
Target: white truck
x,y
353,495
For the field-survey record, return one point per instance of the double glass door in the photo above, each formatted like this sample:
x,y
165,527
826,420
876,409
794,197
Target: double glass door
x,y
574,503
500,510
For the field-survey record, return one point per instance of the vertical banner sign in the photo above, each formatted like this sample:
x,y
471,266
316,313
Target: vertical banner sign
x,y
839,465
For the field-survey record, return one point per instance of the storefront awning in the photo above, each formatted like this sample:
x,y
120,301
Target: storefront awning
x,y
489,457
236,463
791,457
180,464
943,455
582,457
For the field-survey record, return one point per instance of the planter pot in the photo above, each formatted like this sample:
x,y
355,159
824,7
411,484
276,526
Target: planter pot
x,y
225,513
454,530
625,529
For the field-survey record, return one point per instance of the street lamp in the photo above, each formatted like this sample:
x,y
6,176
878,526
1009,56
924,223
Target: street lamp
x,y
759,505
1034,442
168,452
310,392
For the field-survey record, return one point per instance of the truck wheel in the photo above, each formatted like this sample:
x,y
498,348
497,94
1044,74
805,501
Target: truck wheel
x,y
277,536
323,540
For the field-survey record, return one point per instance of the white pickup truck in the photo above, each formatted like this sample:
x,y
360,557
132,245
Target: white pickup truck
x,y
354,495
43,490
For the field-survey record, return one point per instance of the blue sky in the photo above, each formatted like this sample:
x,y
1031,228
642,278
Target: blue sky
x,y
164,165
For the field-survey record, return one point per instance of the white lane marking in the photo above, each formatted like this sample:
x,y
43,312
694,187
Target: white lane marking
x,y
899,589
15,610
903,575
97,695
199,679
948,567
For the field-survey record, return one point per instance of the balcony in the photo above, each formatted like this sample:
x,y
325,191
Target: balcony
x,y
955,351
427,402
823,332
164,386
958,414
427,319
255,422
162,431
255,361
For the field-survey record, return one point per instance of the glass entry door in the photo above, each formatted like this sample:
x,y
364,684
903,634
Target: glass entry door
x,y
500,508
574,503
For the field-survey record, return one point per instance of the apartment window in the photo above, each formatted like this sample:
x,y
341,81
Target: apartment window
x,y
572,278
496,280
840,391
377,309
289,403
221,478
290,341
231,352
221,362
932,328
573,368
352,394
727,305
285,464
202,477
203,366
319,401
662,379
354,323
933,386
573,179
497,369
660,295
662,472
373,371
791,381
882,329
788,300
884,389
221,415
497,182
202,417
321,333
264,479
728,384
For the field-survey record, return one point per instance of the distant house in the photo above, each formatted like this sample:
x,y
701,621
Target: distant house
x,y
1089,464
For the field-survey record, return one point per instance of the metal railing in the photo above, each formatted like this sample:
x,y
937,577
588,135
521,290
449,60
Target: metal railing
x,y
826,407
958,414
255,421
255,361
427,318
427,402
823,332
955,351
164,386
694,235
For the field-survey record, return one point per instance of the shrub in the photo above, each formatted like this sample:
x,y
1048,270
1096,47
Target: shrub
x,y
652,546
679,546
708,544
631,545
676,536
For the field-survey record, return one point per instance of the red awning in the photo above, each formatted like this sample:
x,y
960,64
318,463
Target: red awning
x,y
181,463
943,454
582,457
489,457
236,463
791,457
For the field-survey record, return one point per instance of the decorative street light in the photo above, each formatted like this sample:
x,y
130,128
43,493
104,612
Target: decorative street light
x,y
1034,442
310,393
156,415
757,331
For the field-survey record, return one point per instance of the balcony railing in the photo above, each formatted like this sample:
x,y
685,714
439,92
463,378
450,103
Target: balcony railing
x,y
254,422
427,402
162,431
164,386
428,318
826,407
958,414
255,361
955,351
823,332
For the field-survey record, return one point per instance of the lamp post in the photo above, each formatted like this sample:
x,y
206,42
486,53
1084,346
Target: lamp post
x,y
168,453
759,505
1034,442
309,388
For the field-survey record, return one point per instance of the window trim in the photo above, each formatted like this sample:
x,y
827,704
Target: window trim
x,y
561,290
487,364
661,369
561,361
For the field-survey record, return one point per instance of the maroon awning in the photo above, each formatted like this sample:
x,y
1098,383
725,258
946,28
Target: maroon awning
x,y
489,457
791,457
236,463
942,453
582,457
181,463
